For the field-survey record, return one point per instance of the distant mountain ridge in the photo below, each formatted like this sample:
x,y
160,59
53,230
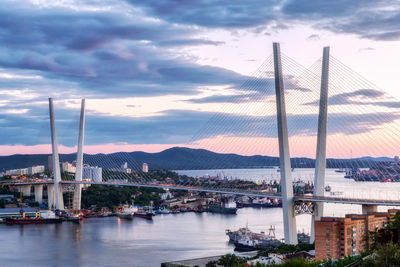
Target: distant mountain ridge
x,y
179,158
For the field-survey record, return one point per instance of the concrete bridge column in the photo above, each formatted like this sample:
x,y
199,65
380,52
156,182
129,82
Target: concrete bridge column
x,y
289,219
50,196
320,159
58,197
39,193
369,208
26,190
76,205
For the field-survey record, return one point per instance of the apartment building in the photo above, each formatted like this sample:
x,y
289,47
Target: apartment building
x,y
339,237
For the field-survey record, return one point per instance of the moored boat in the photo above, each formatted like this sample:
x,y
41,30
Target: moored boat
x,y
71,217
43,217
144,215
244,239
126,212
220,208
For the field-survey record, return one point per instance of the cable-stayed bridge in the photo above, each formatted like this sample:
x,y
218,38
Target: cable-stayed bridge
x,y
274,109
227,191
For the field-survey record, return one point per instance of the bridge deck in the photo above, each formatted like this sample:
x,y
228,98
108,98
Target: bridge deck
x,y
230,191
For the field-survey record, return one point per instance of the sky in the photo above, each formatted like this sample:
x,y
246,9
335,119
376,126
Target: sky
x,y
158,74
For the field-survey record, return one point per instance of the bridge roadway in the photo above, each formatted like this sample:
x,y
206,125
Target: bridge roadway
x,y
229,191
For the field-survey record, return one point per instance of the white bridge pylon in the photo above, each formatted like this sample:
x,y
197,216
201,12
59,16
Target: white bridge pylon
x,y
289,217
55,197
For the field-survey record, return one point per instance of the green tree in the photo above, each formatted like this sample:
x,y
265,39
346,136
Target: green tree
x,y
371,240
395,222
230,260
211,264
387,255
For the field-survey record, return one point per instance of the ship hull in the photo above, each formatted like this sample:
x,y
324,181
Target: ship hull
x,y
243,247
147,216
125,216
11,221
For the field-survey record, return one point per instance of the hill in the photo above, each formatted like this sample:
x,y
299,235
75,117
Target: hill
x,y
180,158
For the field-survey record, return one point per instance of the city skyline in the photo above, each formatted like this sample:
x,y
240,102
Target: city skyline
x,y
153,76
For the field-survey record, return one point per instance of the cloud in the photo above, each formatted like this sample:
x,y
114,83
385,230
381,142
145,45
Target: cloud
x,y
171,126
314,37
254,90
360,97
217,14
104,52
190,42
378,20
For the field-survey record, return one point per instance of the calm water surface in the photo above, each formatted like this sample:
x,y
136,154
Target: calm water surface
x,y
111,241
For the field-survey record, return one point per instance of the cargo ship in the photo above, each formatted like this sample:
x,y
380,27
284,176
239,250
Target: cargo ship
x,y
245,240
42,217
220,208
146,213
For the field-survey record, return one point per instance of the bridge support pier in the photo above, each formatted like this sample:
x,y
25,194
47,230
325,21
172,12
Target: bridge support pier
x,y
50,196
26,190
369,208
320,159
39,193
289,219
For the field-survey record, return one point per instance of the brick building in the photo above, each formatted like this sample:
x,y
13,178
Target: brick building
x,y
339,237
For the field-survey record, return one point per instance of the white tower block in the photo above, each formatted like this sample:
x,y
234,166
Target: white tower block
x,y
289,219
58,198
320,158
79,161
